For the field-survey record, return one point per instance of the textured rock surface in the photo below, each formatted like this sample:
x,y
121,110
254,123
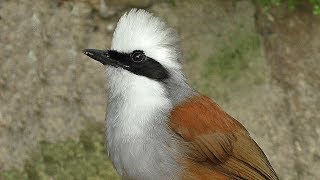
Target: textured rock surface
x,y
48,88
292,49
261,66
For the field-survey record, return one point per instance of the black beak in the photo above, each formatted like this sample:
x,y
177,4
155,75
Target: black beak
x,y
99,55
102,56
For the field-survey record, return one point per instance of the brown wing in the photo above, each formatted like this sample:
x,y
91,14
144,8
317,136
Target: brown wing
x,y
219,147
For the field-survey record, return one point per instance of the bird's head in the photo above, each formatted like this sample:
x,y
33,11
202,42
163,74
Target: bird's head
x,y
144,51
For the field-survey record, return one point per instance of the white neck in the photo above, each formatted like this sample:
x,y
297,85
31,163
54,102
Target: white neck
x,y
138,95
137,115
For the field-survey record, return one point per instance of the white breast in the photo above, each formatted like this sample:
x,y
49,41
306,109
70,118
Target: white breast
x,y
139,142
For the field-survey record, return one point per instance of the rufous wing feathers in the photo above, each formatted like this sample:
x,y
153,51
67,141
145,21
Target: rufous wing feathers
x,y
217,145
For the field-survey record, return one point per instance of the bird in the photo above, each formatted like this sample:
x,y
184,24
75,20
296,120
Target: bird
x,y
157,125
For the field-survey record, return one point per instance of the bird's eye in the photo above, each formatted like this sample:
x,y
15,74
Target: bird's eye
x,y
138,56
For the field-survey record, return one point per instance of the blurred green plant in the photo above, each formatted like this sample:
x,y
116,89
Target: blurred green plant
x,y
172,2
292,4
79,160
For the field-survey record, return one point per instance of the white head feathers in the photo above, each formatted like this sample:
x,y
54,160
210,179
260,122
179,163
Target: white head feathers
x,y
140,30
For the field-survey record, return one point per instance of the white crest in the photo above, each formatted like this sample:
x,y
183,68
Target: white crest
x,y
140,30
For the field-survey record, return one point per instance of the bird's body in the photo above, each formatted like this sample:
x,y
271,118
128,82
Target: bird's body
x,y
158,127
137,131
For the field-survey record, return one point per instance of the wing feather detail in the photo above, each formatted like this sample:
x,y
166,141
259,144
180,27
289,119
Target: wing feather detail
x,y
217,143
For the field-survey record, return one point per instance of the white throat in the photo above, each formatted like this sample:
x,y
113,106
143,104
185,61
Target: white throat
x,y
137,135
139,96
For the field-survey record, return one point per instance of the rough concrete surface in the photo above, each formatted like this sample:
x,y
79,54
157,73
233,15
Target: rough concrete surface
x,y
261,65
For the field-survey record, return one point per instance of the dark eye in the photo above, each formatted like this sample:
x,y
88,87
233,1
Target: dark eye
x,y
138,56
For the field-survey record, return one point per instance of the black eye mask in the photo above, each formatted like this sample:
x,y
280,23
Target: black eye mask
x,y
136,62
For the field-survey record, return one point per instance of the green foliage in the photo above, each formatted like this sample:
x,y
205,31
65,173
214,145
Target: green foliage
x,y
292,4
70,159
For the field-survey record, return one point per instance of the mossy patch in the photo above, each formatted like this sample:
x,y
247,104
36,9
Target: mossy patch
x,y
171,2
232,61
236,64
70,159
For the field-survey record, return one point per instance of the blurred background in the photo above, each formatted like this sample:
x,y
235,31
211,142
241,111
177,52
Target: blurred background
x,y
260,60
